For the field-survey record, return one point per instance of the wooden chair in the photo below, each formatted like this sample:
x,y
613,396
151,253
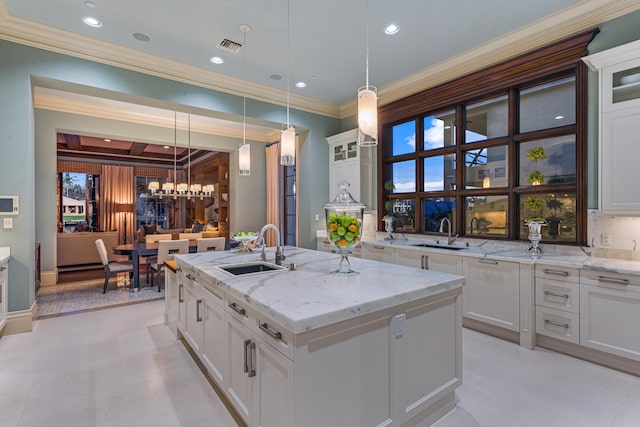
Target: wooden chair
x,y
112,267
153,238
190,236
166,249
211,244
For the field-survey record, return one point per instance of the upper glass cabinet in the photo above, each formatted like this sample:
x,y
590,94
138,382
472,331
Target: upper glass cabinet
x,y
625,85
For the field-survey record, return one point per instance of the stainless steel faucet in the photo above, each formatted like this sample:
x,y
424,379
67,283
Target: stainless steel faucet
x,y
279,248
450,239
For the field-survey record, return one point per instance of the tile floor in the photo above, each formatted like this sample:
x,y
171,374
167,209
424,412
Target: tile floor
x,y
122,367
87,295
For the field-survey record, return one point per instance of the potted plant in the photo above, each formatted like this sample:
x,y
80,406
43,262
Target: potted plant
x,y
535,178
389,218
554,220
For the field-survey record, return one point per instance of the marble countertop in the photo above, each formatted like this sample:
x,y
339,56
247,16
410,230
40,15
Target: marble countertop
x,y
569,256
309,297
5,253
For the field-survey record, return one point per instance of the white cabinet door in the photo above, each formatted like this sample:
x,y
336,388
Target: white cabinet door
x,y
274,376
492,292
4,273
194,328
609,320
444,263
215,353
379,253
171,299
241,348
411,258
620,148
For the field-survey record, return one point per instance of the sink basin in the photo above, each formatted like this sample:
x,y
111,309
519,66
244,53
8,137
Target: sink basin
x,y
441,246
251,268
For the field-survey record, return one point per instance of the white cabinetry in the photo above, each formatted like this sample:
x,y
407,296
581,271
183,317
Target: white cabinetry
x,y
435,261
492,292
619,82
4,283
214,355
380,253
558,302
172,306
610,312
194,329
348,161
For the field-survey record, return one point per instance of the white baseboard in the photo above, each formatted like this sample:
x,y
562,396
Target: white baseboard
x,y
21,321
49,278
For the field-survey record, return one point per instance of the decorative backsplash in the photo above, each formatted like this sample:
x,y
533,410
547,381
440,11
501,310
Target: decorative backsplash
x,y
614,236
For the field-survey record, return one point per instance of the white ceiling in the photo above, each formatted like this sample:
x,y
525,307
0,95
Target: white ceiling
x,y
438,40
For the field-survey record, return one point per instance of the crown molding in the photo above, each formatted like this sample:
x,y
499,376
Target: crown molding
x,y
65,42
568,22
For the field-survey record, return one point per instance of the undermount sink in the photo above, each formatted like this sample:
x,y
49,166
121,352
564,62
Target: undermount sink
x,y
439,245
251,268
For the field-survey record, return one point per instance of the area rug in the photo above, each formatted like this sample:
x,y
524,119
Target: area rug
x,y
77,297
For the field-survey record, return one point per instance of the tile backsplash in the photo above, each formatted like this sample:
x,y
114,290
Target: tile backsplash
x,y
614,236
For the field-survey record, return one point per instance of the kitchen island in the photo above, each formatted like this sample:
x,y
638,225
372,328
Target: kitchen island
x,y
301,347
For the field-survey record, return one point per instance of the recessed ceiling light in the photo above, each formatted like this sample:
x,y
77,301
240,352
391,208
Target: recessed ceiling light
x,y
301,84
559,117
166,147
92,22
141,37
217,60
391,29
107,140
90,4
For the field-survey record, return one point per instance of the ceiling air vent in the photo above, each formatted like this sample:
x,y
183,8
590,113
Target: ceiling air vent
x,y
230,45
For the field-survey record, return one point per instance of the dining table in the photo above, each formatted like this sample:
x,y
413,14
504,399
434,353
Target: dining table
x,y
137,249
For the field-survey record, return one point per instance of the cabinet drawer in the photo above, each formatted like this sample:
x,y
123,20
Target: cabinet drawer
x,y
558,324
556,294
566,274
275,335
624,282
238,309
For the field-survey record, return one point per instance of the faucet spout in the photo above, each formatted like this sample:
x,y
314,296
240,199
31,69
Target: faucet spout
x,y
450,239
280,256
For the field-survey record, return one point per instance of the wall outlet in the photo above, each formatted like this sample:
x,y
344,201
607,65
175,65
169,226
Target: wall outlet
x,y
317,217
399,323
605,239
7,223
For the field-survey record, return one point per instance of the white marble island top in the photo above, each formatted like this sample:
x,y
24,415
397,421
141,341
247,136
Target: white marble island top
x,y
309,297
5,253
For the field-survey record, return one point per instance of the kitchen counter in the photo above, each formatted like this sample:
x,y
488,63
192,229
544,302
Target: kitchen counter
x,y
309,297
5,253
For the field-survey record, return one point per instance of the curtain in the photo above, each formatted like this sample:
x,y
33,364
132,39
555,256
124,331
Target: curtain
x,y
273,190
117,187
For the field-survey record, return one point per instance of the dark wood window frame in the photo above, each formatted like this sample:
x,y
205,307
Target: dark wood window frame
x,y
559,60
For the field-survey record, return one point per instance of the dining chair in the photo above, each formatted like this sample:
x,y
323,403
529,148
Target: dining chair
x,y
208,244
112,267
151,259
190,236
166,250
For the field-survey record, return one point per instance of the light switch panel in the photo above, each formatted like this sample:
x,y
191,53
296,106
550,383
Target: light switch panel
x,y
7,223
398,323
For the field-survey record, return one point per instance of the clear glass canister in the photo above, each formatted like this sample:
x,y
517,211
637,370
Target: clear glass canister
x,y
343,218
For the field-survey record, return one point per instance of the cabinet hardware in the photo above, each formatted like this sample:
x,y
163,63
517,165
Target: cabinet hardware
x,y
252,350
551,322
198,314
378,247
0,294
246,355
190,277
422,262
180,298
3,268
273,334
556,272
613,280
553,294
488,261
178,269
233,306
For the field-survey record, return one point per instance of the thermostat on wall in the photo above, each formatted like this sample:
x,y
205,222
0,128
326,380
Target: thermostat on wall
x,y
9,205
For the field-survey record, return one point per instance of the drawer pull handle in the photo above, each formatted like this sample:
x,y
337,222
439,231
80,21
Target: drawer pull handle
x,y
3,268
190,277
180,298
178,269
273,334
198,314
561,325
378,247
488,261
553,294
556,272
247,343
613,280
233,306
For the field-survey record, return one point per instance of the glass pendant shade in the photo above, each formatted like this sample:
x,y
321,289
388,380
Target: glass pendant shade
x,y
244,160
288,147
367,116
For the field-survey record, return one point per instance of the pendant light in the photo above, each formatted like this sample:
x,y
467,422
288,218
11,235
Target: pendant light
x,y
288,137
367,104
244,152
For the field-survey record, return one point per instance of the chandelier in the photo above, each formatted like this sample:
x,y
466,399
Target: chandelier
x,y
171,189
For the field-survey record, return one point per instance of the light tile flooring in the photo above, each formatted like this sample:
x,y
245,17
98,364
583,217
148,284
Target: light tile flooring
x,y
87,295
122,367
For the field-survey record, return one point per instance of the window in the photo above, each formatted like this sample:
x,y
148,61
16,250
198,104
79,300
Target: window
x,y
78,202
150,210
493,121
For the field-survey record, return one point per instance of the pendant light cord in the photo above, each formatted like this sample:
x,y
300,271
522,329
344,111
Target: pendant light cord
x,y
189,151
288,52
175,148
367,45
244,85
